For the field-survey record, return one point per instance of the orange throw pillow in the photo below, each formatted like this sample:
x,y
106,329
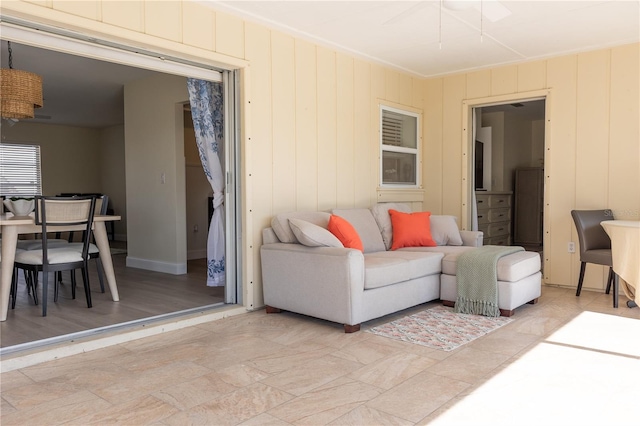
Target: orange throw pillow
x,y
345,232
411,229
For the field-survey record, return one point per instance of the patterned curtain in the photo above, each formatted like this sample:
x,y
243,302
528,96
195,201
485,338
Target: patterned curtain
x,y
208,122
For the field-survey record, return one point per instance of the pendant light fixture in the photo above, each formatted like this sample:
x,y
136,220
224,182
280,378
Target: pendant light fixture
x,y
20,91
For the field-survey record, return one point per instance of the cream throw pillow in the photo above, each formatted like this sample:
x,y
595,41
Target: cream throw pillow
x,y
444,230
312,235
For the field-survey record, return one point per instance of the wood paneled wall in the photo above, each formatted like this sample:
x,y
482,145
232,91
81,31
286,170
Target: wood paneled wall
x,y
592,157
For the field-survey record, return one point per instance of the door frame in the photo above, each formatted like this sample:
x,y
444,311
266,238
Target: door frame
x,y
468,106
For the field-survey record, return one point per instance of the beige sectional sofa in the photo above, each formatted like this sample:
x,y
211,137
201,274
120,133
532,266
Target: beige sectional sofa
x,y
306,270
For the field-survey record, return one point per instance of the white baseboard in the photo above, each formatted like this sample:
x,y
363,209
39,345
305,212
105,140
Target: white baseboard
x,y
157,266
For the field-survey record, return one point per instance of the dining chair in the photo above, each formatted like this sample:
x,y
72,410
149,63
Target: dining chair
x,y
102,202
49,213
595,245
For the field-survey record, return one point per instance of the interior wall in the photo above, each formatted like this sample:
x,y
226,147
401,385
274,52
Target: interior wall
x,y
155,170
512,146
593,156
69,156
517,147
78,159
113,177
537,143
496,121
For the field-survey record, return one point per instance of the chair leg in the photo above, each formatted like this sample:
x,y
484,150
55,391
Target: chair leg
x,y
100,274
45,290
581,278
55,287
73,284
31,278
609,280
27,280
87,289
616,285
14,287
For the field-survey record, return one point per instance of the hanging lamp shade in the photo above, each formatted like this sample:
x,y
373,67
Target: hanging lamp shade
x,y
20,93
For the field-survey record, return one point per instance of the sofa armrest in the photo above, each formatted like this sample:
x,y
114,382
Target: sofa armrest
x,y
323,282
472,238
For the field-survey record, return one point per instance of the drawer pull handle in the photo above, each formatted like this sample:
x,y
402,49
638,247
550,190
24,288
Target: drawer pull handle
x,y
480,216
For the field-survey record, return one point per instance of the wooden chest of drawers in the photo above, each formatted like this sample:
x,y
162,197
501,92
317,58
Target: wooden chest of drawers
x,y
494,217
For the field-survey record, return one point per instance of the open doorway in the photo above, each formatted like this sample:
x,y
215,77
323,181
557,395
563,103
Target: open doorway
x,y
508,173
153,293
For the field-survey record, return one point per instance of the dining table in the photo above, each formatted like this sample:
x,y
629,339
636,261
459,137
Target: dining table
x,y
11,226
625,253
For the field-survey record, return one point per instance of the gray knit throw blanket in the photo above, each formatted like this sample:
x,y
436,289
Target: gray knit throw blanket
x,y
477,278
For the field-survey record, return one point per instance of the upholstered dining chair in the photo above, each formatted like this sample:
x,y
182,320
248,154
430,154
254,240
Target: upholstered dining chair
x,y
49,213
595,245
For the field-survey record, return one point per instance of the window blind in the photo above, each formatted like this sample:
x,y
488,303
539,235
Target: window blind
x,y
20,170
391,128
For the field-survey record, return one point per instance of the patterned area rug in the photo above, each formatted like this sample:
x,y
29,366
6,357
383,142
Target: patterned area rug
x,y
440,328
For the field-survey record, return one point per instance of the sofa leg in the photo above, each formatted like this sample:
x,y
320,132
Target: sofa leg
x,y
272,310
448,303
506,312
533,302
351,328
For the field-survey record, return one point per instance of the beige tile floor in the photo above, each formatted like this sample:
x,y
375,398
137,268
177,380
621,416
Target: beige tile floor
x,y
565,361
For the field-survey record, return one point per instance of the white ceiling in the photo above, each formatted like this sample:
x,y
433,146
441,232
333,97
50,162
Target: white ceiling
x,y
402,34
425,39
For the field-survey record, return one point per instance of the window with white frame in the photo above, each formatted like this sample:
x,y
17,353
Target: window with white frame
x,y
20,174
399,147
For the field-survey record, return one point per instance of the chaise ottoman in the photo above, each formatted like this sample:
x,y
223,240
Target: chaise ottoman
x,y
519,280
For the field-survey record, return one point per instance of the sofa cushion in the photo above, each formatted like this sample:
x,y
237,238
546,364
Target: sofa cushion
x,y
410,229
312,235
381,215
444,230
366,227
390,267
345,232
383,271
280,223
450,254
518,265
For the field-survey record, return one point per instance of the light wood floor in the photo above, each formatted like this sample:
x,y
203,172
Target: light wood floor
x,y
565,361
142,293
